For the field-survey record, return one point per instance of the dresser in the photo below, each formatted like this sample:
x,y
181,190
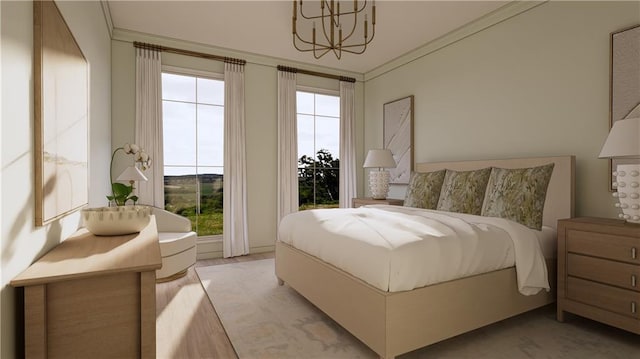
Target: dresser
x,y
93,297
599,271
357,202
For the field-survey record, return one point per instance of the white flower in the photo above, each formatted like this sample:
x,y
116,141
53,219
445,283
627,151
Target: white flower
x,y
134,148
142,156
127,148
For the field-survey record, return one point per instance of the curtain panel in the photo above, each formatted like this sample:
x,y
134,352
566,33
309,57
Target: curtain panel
x,y
287,145
347,144
148,127
235,239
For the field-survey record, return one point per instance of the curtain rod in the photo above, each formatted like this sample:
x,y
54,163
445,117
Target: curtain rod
x,y
314,73
173,50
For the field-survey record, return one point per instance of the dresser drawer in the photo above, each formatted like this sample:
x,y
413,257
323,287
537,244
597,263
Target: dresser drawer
x,y
604,271
620,248
613,299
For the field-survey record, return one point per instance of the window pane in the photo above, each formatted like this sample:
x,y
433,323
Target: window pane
x,y
304,102
180,191
306,146
179,122
327,105
210,91
210,215
328,135
178,87
318,150
210,135
327,185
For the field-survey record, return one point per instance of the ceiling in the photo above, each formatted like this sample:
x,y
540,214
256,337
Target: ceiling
x,y
264,27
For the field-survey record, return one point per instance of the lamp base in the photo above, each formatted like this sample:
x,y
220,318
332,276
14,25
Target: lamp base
x,y
627,185
379,184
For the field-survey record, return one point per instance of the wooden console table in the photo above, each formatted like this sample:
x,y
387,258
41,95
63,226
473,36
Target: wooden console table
x,y
93,296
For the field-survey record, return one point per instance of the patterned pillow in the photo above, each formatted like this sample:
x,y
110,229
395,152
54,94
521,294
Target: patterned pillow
x,y
424,189
463,192
518,194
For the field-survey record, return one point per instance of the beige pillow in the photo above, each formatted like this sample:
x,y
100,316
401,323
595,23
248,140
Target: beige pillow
x,y
463,191
518,194
424,188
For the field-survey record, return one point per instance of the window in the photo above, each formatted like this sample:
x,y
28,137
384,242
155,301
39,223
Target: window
x,y
193,126
318,150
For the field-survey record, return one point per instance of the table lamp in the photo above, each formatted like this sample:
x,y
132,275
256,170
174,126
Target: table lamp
x,y
623,141
132,174
379,180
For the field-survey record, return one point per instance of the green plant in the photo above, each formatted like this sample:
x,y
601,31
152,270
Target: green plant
x,y
120,192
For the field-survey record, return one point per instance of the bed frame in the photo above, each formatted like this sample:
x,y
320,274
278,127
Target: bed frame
x,y
394,323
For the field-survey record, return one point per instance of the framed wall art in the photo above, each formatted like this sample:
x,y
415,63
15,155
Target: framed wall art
x,y
625,83
398,137
61,130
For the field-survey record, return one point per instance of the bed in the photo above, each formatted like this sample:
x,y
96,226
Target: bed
x,y
394,323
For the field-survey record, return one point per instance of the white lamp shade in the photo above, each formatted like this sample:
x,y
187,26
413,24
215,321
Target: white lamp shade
x,y
623,139
379,159
132,173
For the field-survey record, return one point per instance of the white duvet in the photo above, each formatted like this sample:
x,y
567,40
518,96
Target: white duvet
x,y
398,248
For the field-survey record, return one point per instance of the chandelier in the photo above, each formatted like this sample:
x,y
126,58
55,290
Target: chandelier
x,y
331,19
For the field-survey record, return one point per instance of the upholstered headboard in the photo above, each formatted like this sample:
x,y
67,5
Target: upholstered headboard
x,y
559,202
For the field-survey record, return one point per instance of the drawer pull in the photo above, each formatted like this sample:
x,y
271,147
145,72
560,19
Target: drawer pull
x,y
633,307
633,280
634,253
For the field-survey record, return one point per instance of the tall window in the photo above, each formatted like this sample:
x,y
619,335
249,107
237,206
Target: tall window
x,y
318,150
193,120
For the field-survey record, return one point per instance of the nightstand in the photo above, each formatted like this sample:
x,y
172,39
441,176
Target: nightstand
x,y
599,271
357,202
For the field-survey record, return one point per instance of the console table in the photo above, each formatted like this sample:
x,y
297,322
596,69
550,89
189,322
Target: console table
x,y
93,296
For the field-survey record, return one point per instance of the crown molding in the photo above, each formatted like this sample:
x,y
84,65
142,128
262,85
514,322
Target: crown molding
x,y
501,14
106,11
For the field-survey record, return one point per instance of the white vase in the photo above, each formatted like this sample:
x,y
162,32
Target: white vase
x,y
379,184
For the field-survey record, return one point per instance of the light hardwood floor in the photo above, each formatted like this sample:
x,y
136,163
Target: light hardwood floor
x,y
187,326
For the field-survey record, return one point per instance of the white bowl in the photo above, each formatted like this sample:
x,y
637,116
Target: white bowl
x,y
115,221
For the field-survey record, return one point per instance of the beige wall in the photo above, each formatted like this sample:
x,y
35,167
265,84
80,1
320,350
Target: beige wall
x,y
535,84
20,241
261,122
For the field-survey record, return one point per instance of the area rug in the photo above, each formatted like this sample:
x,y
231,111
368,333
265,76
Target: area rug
x,y
265,320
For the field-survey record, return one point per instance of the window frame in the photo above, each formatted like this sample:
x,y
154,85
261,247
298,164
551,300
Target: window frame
x,y
316,91
183,71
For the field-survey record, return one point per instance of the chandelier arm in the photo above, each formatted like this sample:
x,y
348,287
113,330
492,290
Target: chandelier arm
x,y
311,48
364,5
319,56
305,16
324,31
353,28
301,39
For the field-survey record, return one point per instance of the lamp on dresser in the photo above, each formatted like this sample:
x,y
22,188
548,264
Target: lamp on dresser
x,y
379,179
132,175
623,141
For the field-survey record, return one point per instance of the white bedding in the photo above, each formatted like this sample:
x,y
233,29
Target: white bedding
x,y
397,248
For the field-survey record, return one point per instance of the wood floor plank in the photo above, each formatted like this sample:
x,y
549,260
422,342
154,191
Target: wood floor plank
x,y
187,326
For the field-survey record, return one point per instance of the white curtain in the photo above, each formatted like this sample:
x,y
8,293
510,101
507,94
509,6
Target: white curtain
x,y
347,144
235,239
287,145
148,128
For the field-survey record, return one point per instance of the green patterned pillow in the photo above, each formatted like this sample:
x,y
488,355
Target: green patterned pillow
x,y
518,194
463,192
424,189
